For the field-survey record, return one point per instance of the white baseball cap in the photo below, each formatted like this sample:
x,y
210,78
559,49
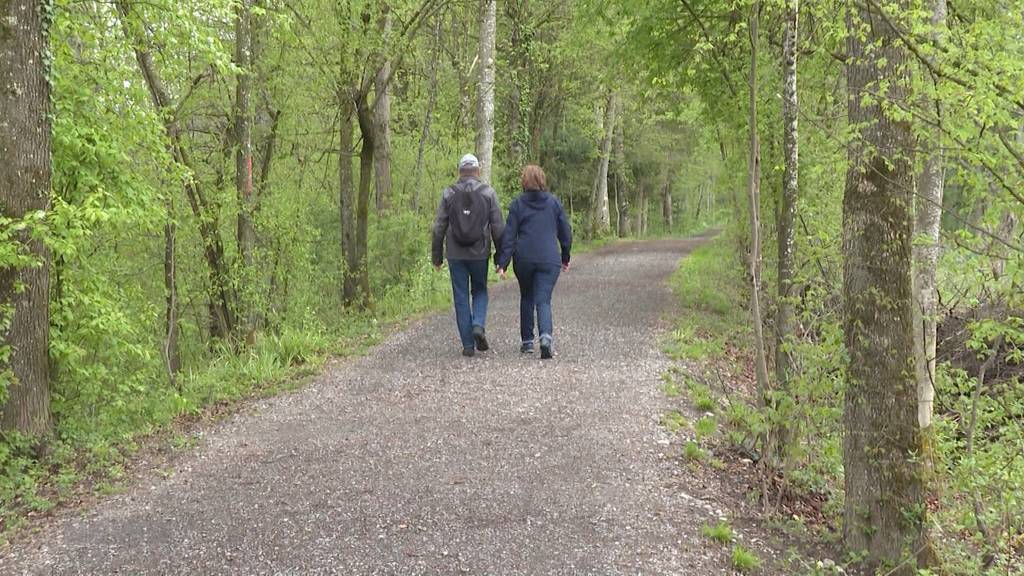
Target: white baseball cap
x,y
469,161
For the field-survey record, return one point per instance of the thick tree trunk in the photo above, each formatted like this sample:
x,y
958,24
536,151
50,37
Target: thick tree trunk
x,y
885,511
601,219
754,193
246,229
485,105
382,126
926,249
786,227
25,174
347,200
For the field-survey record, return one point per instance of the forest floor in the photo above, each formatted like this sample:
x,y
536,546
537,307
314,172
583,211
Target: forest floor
x,y
415,460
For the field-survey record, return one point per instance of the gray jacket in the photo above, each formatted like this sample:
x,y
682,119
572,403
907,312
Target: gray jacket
x,y
443,237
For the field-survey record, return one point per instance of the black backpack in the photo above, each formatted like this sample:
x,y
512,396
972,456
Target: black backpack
x,y
468,215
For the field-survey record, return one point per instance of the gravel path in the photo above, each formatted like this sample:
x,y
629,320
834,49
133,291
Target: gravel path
x,y
414,460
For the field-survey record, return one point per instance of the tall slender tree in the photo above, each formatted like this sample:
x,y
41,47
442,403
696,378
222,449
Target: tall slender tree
x,y
25,175
485,103
928,214
600,219
786,228
884,514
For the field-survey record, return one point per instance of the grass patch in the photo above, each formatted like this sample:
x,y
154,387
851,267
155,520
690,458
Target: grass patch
x,y
673,421
693,452
720,532
744,560
702,398
709,286
706,427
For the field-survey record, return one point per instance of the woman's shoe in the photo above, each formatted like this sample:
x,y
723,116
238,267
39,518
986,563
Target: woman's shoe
x,y
526,348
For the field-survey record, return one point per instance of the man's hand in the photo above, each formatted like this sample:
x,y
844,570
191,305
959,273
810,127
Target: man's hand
x,y
437,267
565,266
501,272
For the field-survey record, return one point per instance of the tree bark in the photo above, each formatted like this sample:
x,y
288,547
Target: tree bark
x,y
382,125
600,219
347,199
25,177
485,105
884,513
786,225
172,358
364,118
246,230
428,117
621,194
754,193
222,317
666,201
926,250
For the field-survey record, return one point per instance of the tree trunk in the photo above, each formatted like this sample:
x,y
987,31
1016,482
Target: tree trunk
x,y
666,202
25,175
885,511
517,11
641,202
428,116
621,195
926,249
347,200
222,318
172,358
485,105
786,228
601,220
382,125
364,117
246,230
754,193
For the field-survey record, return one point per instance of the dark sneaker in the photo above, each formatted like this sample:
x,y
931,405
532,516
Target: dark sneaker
x,y
526,348
468,352
545,347
481,339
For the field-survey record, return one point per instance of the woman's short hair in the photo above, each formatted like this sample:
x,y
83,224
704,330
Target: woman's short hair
x,y
534,178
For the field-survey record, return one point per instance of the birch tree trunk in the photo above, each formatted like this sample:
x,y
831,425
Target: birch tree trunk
x,y
926,249
621,194
25,175
485,105
601,220
884,513
784,322
754,193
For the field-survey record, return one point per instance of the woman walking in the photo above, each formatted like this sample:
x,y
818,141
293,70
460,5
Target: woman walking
x,y
538,240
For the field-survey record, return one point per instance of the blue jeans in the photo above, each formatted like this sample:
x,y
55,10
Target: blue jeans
x,y
469,278
536,283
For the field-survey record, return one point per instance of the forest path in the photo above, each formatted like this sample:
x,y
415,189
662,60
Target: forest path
x,y
414,460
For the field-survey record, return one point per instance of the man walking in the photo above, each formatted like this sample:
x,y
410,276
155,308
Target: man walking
x,y
468,219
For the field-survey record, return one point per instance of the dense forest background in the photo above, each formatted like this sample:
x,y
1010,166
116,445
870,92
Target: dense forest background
x,y
240,187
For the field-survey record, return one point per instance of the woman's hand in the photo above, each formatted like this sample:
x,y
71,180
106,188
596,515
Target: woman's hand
x,y
565,266
501,272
